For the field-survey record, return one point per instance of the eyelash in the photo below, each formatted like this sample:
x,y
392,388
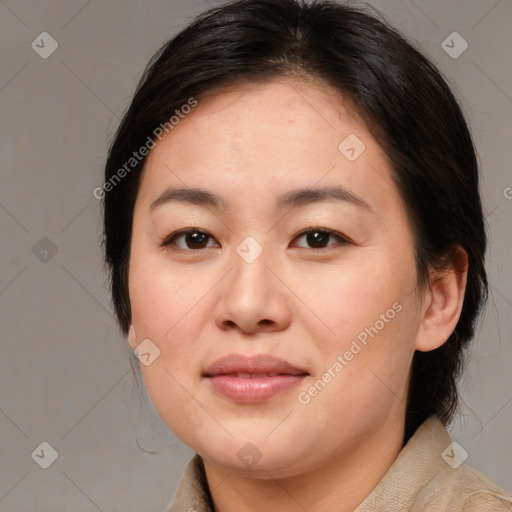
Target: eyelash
x,y
342,240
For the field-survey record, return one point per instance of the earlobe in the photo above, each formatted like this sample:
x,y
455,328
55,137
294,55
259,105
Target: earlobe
x,y
443,302
132,337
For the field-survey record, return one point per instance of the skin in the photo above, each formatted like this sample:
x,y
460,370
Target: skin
x,y
249,144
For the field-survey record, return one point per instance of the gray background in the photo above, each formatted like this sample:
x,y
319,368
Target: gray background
x,y
65,371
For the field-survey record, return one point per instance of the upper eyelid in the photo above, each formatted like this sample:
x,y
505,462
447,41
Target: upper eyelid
x,y
331,232
185,231
323,230
167,240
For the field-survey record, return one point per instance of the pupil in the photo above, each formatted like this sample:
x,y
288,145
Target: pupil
x,y
317,238
196,239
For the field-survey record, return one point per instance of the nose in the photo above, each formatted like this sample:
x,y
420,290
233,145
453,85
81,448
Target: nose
x,y
252,298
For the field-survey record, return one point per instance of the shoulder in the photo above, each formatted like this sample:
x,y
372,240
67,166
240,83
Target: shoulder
x,y
478,493
485,501
467,490
429,475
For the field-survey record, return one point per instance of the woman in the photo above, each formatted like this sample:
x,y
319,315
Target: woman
x,y
296,244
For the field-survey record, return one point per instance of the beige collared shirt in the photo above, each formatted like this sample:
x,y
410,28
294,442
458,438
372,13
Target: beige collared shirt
x,y
425,477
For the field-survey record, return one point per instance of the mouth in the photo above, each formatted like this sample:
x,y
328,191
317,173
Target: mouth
x,y
252,379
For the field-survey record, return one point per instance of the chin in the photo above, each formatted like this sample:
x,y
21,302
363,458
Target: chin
x,y
260,457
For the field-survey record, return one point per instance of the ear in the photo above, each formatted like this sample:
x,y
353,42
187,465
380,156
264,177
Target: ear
x,y
443,302
132,337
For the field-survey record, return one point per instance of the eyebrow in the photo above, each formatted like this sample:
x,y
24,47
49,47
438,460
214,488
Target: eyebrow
x,y
291,199
188,195
302,197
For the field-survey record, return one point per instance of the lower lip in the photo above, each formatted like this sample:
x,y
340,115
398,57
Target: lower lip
x,y
255,390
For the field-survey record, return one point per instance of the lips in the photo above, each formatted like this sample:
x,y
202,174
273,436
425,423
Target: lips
x,y
252,379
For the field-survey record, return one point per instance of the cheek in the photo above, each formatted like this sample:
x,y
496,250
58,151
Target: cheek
x,y
368,317
340,301
170,309
374,321
170,306
162,297
171,394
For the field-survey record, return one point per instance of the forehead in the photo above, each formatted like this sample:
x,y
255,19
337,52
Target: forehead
x,y
269,137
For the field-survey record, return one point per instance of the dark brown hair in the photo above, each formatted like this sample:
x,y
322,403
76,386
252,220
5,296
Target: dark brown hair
x,y
401,96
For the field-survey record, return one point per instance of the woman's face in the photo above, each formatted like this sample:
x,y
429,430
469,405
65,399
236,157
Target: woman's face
x,y
299,248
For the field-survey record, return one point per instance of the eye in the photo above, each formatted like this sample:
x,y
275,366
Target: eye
x,y
320,238
189,239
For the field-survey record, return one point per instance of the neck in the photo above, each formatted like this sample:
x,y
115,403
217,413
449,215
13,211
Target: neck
x,y
341,484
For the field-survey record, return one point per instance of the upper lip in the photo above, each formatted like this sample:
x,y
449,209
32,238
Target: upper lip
x,y
256,364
